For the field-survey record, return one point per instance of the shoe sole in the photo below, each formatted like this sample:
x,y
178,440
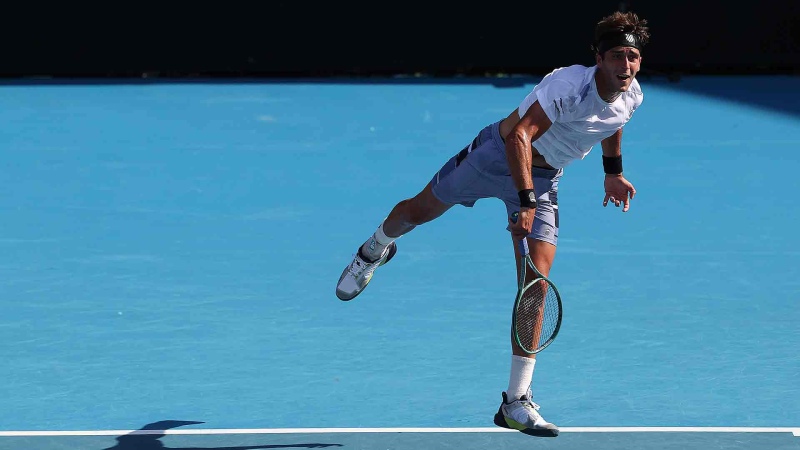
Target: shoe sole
x,y
392,251
501,421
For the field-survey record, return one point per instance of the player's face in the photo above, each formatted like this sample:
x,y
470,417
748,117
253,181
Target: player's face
x,y
619,65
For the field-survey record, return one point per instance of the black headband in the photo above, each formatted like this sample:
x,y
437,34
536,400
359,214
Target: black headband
x,y
616,39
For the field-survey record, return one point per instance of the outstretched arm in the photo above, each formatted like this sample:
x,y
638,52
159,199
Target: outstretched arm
x,y
520,156
618,189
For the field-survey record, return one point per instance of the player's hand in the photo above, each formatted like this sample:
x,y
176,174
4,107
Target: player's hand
x,y
522,226
619,191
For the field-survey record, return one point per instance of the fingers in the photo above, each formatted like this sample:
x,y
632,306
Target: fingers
x,y
521,224
625,201
519,232
631,193
619,195
612,199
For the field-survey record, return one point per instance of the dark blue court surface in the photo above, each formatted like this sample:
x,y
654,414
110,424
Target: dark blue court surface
x,y
171,250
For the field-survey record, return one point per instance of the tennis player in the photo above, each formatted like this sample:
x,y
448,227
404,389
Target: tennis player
x,y
520,160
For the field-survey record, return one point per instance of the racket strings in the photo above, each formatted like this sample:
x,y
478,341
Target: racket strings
x,y
537,315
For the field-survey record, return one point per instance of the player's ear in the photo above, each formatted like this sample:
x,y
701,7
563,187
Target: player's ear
x,y
597,58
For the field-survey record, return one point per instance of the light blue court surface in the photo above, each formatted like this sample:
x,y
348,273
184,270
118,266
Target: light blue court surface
x,y
169,252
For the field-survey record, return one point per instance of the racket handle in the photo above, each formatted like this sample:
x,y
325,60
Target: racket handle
x,y
523,246
523,243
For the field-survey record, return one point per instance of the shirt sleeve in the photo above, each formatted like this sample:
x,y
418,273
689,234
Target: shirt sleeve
x,y
632,103
557,99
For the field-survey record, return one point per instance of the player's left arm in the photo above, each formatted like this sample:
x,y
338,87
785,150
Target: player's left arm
x,y
618,190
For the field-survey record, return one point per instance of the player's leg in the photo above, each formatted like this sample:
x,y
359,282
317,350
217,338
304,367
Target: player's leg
x,y
404,217
542,254
518,410
380,248
456,182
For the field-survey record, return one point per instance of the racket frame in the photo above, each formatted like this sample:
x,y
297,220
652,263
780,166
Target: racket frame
x,y
526,261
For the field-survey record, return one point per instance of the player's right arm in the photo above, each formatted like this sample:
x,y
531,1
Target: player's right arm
x,y
519,153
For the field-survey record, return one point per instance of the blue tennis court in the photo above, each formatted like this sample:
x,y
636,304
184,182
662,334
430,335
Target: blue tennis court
x,y
169,252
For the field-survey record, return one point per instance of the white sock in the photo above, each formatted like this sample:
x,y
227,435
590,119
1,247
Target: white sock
x,y
374,246
519,381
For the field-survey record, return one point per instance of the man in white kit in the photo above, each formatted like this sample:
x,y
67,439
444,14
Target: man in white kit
x,y
520,160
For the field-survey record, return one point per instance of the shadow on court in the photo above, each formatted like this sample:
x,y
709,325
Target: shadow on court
x,y
149,438
482,441
779,93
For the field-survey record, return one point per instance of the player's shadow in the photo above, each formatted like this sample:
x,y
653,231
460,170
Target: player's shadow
x,y
149,438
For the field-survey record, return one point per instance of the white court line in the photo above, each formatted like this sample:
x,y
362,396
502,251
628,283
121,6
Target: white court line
x,y
794,431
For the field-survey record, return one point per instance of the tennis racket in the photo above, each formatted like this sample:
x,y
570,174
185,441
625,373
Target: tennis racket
x,y
537,308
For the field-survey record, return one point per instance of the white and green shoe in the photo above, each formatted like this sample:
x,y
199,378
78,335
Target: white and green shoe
x,y
523,415
359,272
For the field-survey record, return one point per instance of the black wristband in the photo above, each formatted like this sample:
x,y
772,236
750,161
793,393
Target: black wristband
x,y
527,198
612,165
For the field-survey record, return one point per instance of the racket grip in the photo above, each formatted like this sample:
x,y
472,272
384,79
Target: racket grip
x,y
523,246
523,243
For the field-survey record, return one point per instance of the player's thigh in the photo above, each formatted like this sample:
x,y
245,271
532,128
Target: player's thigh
x,y
542,254
476,172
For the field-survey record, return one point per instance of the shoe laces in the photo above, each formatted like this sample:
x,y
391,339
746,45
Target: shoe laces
x,y
527,402
361,266
357,266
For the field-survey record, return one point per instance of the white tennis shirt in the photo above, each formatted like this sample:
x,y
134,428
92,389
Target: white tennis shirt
x,y
580,117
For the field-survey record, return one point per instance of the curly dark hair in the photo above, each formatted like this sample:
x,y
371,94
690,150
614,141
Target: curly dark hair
x,y
622,22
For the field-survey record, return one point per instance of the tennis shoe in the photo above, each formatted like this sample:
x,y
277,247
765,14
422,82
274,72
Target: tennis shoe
x,y
358,274
523,415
